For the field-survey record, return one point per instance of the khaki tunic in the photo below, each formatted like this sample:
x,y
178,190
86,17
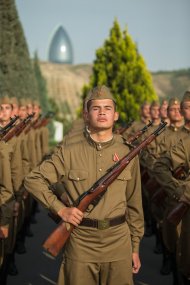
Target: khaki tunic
x,y
79,165
38,145
32,148
44,140
177,156
16,165
25,154
6,189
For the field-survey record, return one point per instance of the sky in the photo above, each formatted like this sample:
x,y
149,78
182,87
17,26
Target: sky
x,y
160,28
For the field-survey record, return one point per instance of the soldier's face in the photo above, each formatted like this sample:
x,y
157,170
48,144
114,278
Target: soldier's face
x,y
174,113
163,112
29,108
186,110
146,111
155,112
36,110
15,110
102,114
22,112
6,110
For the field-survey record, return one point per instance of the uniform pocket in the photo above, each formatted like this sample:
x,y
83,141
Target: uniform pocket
x,y
124,176
78,175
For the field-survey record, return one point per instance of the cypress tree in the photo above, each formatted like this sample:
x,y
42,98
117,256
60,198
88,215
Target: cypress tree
x,y
41,85
119,66
17,75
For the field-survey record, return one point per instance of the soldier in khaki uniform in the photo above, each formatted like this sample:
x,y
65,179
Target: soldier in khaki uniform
x,y
138,125
164,111
15,162
92,255
164,168
6,196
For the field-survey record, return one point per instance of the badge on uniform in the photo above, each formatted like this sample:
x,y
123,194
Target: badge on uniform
x,y
115,157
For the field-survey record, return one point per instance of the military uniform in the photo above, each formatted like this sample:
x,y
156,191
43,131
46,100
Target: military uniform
x,y
78,166
177,156
6,193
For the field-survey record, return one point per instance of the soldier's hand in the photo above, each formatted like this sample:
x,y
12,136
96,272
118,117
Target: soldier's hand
x,y
4,231
71,215
136,262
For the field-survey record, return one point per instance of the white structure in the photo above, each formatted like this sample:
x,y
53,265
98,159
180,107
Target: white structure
x,y
58,136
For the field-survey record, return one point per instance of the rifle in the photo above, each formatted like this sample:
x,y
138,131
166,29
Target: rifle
x,y
134,137
17,129
6,129
24,124
44,120
59,236
121,130
177,213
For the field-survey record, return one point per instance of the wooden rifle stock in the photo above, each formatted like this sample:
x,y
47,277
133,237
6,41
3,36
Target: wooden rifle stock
x,y
24,124
59,236
9,126
177,213
17,129
43,121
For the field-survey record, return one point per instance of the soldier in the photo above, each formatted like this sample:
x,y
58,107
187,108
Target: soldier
x,y
164,112
137,125
92,255
164,168
15,161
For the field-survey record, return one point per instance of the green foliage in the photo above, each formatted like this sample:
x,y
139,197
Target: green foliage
x,y
41,85
119,66
16,73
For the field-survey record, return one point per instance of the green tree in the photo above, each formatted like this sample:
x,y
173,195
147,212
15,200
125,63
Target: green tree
x,y
41,85
16,72
119,66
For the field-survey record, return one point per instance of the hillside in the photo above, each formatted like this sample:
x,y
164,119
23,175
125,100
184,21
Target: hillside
x,y
65,82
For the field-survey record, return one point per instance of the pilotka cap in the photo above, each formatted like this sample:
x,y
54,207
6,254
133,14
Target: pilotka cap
x,y
186,96
173,101
99,93
5,100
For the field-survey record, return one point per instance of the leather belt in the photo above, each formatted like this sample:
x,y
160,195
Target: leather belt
x,y
103,224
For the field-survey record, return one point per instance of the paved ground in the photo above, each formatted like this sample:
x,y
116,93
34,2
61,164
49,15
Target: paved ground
x,y
37,268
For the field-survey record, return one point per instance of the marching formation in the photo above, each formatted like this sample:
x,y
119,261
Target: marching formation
x,y
165,185
23,145
109,187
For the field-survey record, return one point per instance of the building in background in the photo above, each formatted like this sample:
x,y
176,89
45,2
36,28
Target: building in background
x,y
60,48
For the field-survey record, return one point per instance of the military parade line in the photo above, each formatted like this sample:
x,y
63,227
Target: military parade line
x,y
109,187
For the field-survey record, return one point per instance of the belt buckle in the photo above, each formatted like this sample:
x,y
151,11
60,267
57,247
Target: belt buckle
x,y
103,224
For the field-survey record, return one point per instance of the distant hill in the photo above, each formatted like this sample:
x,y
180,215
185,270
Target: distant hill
x,y
171,83
65,82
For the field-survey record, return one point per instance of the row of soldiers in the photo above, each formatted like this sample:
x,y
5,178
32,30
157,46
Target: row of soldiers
x,y
165,165
161,164
164,176
23,144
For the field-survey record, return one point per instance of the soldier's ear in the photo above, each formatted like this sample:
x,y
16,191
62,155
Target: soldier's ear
x,y
116,116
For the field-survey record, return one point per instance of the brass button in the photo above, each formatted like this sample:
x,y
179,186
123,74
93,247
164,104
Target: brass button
x,y
78,178
100,155
100,169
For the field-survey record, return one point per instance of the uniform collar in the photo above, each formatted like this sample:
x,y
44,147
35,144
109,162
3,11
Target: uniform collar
x,y
186,129
101,145
173,128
